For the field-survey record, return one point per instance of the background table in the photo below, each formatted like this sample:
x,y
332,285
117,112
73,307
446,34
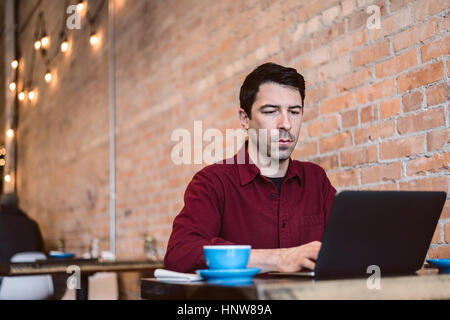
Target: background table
x,y
87,268
427,284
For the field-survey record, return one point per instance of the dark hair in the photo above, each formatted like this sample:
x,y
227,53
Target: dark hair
x,y
269,72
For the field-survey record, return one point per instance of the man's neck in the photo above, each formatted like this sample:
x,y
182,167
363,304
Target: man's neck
x,y
271,170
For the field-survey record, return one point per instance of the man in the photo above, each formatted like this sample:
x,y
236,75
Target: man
x,y
282,210
18,233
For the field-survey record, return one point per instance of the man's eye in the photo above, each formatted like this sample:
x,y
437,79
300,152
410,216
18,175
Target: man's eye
x,y
273,111
295,112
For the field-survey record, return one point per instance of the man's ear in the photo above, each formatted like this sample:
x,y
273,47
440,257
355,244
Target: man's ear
x,y
243,117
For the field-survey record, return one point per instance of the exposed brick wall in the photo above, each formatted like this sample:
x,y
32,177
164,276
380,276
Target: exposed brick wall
x,y
376,112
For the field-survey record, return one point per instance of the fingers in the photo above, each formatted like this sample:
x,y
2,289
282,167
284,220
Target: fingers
x,y
308,264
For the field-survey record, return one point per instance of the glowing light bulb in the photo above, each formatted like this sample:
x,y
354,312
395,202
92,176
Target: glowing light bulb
x,y
45,41
93,39
2,162
31,95
80,6
14,64
37,44
21,96
8,178
48,76
12,86
64,46
10,133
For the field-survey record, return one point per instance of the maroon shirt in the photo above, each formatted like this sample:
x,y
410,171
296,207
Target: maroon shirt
x,y
235,204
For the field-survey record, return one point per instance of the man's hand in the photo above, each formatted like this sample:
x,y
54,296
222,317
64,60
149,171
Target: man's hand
x,y
286,259
298,258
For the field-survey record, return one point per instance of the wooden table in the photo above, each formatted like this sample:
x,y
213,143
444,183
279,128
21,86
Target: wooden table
x,y
87,268
426,284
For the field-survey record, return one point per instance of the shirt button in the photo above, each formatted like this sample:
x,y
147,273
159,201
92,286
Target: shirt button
x,y
272,195
283,225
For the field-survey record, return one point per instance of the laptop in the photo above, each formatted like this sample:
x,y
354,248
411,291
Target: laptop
x,y
391,230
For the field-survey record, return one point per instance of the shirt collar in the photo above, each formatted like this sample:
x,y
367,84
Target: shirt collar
x,y
248,171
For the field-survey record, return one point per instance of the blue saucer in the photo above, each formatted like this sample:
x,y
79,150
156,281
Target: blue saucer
x,y
442,264
229,276
61,255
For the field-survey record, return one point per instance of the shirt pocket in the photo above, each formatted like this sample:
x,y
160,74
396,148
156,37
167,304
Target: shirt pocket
x,y
312,220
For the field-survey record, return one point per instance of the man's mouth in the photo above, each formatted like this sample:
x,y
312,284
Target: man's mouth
x,y
284,142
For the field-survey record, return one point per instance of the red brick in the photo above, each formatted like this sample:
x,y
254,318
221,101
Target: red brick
x,y
426,8
381,172
447,232
438,94
337,104
317,57
427,74
305,150
412,101
331,124
334,68
374,132
369,114
357,156
416,34
424,120
371,53
441,252
402,147
353,80
337,141
421,166
389,108
315,128
437,235
426,184
349,118
327,162
348,43
447,22
320,92
397,4
344,178
308,10
396,64
437,139
435,49
446,210
391,24
375,91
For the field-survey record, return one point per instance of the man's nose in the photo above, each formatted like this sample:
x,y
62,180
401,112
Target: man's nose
x,y
284,121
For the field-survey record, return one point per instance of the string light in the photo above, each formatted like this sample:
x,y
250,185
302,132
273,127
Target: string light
x,y
21,96
2,151
10,133
80,6
14,64
8,178
93,39
45,40
64,46
12,86
48,76
2,162
37,44
31,95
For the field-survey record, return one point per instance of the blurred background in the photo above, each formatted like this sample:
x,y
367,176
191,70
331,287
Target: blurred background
x,y
88,121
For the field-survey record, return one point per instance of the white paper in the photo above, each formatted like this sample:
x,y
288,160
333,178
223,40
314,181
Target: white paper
x,y
167,275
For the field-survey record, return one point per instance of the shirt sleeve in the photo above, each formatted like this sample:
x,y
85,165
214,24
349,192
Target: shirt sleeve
x,y
198,224
329,193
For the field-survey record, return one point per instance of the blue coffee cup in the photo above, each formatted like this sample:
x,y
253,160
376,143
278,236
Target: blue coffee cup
x,y
227,256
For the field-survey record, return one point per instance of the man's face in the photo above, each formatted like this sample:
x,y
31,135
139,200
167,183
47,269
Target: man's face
x,y
277,107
